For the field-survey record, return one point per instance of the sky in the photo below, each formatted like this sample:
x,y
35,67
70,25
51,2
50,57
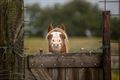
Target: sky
x,y
113,7
45,3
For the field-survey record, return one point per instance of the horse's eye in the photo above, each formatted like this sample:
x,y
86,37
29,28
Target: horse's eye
x,y
59,40
62,36
53,40
49,37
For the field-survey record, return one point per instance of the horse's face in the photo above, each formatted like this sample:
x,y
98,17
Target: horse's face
x,y
56,39
56,42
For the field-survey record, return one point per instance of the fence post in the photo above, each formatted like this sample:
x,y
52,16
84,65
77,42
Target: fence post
x,y
119,38
106,46
11,40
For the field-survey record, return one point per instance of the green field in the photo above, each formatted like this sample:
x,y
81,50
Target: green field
x,y
115,75
34,44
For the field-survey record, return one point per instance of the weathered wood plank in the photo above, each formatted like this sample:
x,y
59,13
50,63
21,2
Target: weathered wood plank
x,y
11,15
62,75
35,74
69,74
54,73
81,74
65,60
106,46
41,74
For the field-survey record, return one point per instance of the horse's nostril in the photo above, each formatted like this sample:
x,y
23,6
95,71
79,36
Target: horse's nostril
x,y
57,44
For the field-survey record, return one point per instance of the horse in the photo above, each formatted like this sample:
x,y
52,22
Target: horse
x,y
57,39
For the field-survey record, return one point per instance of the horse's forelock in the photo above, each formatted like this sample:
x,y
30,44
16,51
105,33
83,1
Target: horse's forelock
x,y
59,30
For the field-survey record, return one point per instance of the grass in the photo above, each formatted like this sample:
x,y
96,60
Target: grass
x,y
34,44
115,75
86,43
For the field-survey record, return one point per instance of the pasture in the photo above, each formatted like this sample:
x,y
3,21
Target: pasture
x,y
34,44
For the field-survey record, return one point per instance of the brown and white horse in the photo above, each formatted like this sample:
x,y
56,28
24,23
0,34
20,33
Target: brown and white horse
x,y
57,39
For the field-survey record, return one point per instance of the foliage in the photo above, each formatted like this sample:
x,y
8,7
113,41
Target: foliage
x,y
114,28
77,15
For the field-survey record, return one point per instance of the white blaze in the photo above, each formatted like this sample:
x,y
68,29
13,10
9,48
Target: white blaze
x,y
56,40
56,34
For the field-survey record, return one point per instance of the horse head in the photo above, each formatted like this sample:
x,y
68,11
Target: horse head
x,y
57,39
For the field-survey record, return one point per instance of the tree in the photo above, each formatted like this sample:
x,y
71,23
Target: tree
x,y
77,15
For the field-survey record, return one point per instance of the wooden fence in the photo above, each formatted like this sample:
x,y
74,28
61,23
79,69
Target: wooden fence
x,y
72,66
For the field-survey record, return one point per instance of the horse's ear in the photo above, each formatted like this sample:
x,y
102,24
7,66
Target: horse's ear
x,y
50,27
62,26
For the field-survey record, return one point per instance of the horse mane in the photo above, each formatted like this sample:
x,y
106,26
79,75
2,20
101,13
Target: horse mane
x,y
62,31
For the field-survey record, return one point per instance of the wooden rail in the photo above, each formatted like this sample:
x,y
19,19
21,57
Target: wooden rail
x,y
65,60
71,66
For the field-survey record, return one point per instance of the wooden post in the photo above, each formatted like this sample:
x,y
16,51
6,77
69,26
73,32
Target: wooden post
x,y
11,40
3,40
106,46
119,39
